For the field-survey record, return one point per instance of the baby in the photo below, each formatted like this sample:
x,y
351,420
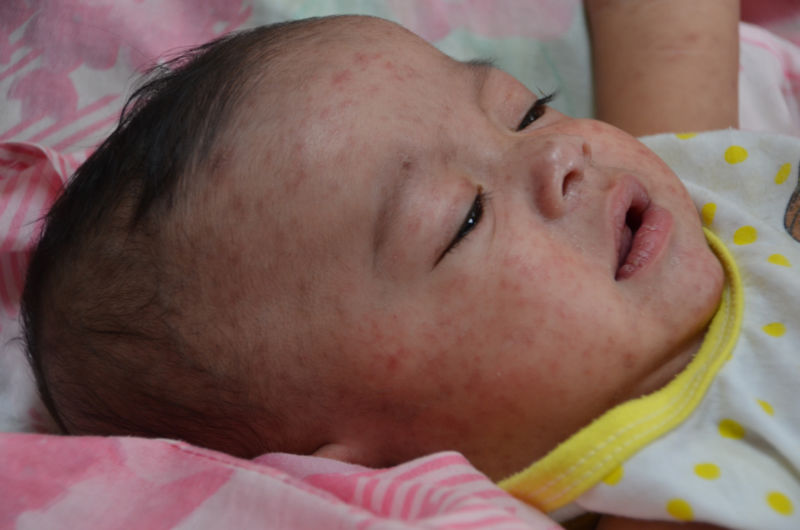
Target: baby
x,y
326,237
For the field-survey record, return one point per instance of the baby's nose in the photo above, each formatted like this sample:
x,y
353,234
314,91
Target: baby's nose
x,y
556,164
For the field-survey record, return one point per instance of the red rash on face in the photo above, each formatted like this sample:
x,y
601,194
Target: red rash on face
x,y
413,226
297,151
393,360
341,77
521,335
364,59
402,72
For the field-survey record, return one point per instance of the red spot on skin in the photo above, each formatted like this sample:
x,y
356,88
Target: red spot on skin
x,y
409,72
297,180
691,38
393,361
364,59
400,73
298,149
414,226
553,367
341,77
629,361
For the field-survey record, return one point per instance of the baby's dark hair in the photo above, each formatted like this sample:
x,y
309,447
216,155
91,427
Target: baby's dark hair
x,y
108,338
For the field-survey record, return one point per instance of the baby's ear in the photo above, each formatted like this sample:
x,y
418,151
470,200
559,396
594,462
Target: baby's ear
x,y
343,453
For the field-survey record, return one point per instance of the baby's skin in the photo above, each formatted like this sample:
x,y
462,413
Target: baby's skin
x,y
461,266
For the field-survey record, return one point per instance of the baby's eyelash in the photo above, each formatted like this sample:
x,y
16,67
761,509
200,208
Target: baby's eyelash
x,y
474,217
536,111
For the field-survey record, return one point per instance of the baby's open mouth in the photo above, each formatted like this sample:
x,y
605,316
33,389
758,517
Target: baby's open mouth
x,y
633,220
642,230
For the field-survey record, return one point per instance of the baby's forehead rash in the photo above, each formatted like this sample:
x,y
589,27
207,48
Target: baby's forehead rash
x,y
362,62
341,77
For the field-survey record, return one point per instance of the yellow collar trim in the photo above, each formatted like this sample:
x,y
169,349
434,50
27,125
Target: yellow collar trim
x,y
598,449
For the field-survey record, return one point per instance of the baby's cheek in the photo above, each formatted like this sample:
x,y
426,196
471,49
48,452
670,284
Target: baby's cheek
x,y
554,308
400,353
702,274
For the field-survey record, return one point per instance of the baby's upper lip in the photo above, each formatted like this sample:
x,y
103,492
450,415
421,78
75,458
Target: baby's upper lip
x,y
629,201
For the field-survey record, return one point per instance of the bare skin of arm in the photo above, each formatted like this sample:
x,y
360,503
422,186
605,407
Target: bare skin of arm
x,y
665,65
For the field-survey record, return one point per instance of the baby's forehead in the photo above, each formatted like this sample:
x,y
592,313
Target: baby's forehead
x,y
365,45
330,110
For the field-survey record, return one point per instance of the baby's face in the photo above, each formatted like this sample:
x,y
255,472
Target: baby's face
x,y
467,270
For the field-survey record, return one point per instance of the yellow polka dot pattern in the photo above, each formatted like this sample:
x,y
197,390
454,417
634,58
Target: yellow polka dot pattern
x,y
745,235
767,406
783,173
707,471
728,428
685,136
775,329
680,510
779,259
707,213
731,429
780,503
735,154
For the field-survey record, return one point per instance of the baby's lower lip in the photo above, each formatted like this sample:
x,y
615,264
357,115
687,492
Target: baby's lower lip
x,y
648,241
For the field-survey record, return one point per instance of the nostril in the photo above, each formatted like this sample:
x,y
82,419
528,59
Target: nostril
x,y
570,179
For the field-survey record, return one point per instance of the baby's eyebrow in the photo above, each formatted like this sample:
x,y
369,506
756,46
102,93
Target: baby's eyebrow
x,y
481,63
480,69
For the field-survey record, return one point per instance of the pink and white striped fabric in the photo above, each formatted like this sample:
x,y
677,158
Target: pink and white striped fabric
x,y
31,177
75,482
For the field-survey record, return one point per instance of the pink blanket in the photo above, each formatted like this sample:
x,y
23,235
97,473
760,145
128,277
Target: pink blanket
x,y
52,482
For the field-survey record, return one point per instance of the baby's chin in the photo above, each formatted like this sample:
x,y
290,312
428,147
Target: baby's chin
x,y
707,296
668,370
